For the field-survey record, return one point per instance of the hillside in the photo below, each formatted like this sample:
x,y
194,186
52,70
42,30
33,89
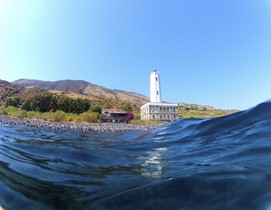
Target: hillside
x,y
8,89
105,97
98,95
76,86
201,111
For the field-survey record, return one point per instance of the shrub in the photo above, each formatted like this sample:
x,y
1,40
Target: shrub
x,y
70,117
22,113
3,111
58,116
136,115
47,116
95,108
12,111
90,117
33,115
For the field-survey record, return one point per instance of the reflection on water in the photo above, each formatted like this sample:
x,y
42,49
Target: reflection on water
x,y
154,162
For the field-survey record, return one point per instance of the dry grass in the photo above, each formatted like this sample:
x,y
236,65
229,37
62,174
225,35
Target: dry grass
x,y
147,122
200,111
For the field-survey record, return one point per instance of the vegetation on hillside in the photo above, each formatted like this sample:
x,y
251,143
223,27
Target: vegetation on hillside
x,y
58,116
54,106
51,107
47,102
104,97
200,111
83,105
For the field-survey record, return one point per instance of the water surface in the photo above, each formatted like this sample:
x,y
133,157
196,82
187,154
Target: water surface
x,y
220,163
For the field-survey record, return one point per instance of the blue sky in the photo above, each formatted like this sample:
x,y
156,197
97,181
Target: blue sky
x,y
210,52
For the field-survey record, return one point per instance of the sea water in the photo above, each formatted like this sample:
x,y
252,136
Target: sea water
x,y
220,163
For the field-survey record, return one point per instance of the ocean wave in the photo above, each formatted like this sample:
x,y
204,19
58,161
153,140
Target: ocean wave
x,y
217,163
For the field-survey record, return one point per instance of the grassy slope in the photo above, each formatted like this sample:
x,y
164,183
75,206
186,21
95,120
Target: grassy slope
x,y
200,111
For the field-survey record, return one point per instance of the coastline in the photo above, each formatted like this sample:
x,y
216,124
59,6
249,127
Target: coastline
x,y
103,127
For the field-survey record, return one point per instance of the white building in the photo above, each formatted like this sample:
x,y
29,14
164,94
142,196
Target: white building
x,y
156,109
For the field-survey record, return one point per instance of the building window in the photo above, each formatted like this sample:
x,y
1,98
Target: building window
x,y
152,116
156,79
157,93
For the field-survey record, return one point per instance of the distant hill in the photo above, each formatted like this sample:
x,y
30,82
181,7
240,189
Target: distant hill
x,y
109,98
8,89
76,86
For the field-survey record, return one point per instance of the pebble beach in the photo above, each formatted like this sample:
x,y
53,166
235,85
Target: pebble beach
x,y
103,127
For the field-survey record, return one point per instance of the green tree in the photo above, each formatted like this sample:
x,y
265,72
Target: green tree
x,y
48,102
27,105
95,108
12,102
45,101
69,105
52,105
64,103
127,107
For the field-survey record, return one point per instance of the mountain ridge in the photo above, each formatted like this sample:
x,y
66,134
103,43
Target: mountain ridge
x,y
106,97
68,85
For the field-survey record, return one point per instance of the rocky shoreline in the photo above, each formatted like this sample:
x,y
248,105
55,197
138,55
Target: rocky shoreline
x,y
104,127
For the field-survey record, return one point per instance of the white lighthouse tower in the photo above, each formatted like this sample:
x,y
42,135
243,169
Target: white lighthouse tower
x,y
156,109
155,90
